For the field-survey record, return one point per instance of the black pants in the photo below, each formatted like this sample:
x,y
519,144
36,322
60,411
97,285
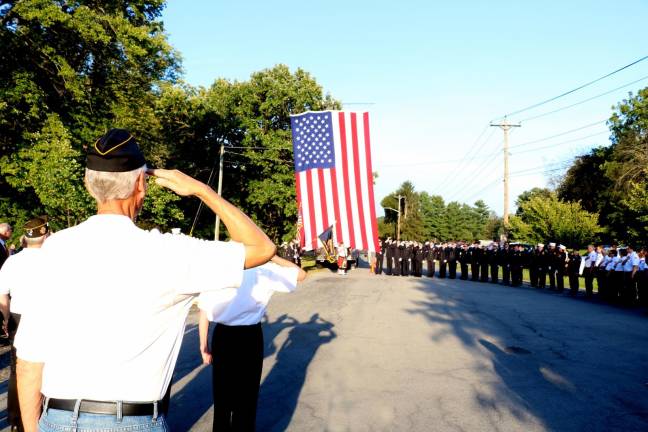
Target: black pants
x,y
589,279
379,263
642,287
573,283
506,274
533,276
552,278
629,293
542,278
389,265
442,269
494,273
516,275
474,271
452,269
13,408
464,271
237,362
560,281
430,268
405,267
601,279
484,272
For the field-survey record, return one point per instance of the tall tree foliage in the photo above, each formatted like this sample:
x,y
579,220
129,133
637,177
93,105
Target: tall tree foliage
x,y
613,181
547,218
427,216
67,69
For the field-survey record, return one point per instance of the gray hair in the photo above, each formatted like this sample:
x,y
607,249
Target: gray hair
x,y
34,241
4,227
106,186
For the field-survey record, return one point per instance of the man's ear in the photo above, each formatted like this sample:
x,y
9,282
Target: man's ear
x,y
140,186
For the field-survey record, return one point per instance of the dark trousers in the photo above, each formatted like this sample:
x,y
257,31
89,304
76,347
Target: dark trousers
x,y
474,271
442,269
397,268
533,276
613,284
589,280
13,408
542,278
552,278
484,272
494,273
573,283
237,353
560,281
516,275
629,293
642,287
389,265
405,267
430,268
601,280
379,263
464,271
452,267
506,274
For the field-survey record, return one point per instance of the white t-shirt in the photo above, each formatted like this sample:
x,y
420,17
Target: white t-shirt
x,y
17,279
246,305
114,300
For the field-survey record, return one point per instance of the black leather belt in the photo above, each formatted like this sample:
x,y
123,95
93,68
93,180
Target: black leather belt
x,y
110,408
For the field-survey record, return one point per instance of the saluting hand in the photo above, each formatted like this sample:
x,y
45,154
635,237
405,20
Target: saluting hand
x,y
177,181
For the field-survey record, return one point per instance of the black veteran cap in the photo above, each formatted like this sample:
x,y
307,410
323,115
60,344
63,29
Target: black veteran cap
x,y
116,151
36,227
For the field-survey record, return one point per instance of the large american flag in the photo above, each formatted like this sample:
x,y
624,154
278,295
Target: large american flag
x,y
334,179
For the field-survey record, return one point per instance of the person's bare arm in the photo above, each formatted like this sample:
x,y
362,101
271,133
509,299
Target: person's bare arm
x,y
29,377
285,263
258,247
203,331
4,308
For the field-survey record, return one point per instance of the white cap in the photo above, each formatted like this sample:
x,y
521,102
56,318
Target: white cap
x,y
540,245
563,247
552,244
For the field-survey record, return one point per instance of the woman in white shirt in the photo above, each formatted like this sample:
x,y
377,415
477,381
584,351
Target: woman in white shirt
x,y
236,352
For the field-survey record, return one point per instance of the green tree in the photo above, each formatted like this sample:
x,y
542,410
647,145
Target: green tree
x,y
412,227
527,195
551,219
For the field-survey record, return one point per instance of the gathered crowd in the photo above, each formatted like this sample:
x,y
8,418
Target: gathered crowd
x,y
620,273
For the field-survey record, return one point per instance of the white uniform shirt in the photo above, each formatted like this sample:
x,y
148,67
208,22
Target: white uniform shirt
x,y
247,305
114,303
17,279
633,260
612,263
591,259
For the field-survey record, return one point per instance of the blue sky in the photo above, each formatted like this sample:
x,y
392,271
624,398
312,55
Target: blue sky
x,y
437,73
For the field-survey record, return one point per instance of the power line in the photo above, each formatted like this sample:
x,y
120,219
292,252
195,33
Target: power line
x,y
482,190
558,134
559,143
575,89
583,101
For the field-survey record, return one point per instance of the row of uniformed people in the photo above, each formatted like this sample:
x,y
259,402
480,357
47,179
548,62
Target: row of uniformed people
x,y
617,277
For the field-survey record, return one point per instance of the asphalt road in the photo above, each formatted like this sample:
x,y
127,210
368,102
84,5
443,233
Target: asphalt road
x,y
379,353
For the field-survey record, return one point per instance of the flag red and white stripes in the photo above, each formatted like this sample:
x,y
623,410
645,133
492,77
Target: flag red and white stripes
x,y
334,178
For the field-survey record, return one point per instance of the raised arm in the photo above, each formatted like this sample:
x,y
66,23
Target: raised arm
x,y
29,377
258,247
285,263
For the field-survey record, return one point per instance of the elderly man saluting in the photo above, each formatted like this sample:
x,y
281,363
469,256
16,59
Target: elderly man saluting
x,y
102,347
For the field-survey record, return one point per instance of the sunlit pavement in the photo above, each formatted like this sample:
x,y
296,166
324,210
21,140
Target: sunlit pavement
x,y
380,353
372,353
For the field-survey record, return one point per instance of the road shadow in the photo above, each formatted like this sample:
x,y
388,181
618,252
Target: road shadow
x,y
282,386
555,373
190,404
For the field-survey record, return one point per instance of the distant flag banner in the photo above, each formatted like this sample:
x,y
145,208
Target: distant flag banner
x,y
334,178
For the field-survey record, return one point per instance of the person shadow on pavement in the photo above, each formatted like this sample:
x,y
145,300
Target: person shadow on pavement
x,y
282,386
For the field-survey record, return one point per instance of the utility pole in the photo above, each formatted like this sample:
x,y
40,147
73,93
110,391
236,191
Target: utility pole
x,y
220,187
399,217
506,127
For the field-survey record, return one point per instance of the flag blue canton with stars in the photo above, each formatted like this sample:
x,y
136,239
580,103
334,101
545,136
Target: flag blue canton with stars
x,y
312,135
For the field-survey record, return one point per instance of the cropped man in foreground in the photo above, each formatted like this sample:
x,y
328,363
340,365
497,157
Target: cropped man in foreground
x,y
117,298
